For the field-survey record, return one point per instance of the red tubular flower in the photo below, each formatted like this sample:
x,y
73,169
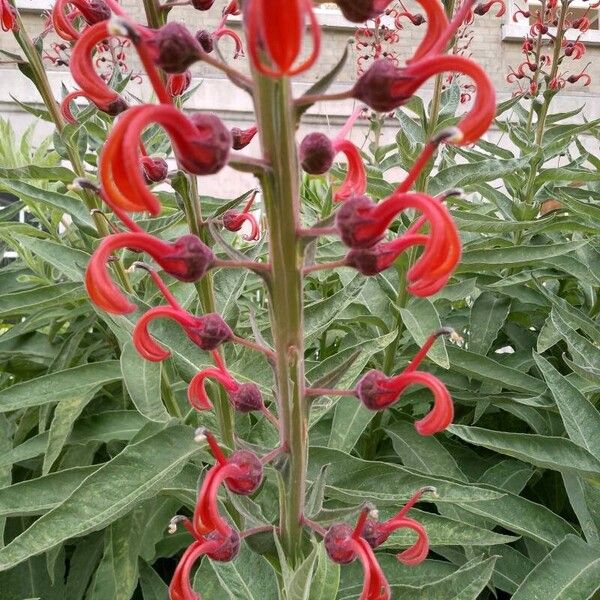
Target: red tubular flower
x,y
278,32
217,546
581,75
84,74
234,220
201,144
385,87
237,40
206,331
178,83
242,137
8,16
65,105
355,182
376,532
242,473
344,545
92,11
245,397
416,19
377,391
484,8
186,259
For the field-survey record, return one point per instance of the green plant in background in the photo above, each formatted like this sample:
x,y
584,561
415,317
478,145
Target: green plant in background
x,y
99,449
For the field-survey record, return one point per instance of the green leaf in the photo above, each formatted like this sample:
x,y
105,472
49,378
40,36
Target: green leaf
x,y
514,256
580,416
26,301
298,583
421,320
153,587
326,577
349,421
488,315
62,202
66,413
571,571
488,370
355,480
142,380
464,175
108,493
37,496
70,261
248,577
55,173
422,453
543,451
70,384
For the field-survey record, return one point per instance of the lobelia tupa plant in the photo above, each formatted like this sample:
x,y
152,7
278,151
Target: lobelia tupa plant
x,y
225,344
202,145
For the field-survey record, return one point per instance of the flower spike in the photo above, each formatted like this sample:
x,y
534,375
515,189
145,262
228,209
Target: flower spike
x,y
279,32
377,391
186,259
201,144
206,331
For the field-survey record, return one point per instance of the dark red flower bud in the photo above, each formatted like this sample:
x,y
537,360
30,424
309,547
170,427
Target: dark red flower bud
x,y
229,546
115,107
249,477
155,168
189,259
359,11
371,391
205,39
211,142
316,153
246,398
337,543
212,333
94,11
354,216
242,137
176,48
202,4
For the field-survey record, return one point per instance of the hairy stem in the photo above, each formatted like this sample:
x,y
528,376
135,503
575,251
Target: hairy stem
x,y
275,116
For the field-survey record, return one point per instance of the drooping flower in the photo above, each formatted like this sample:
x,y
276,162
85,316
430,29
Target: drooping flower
x,y
233,220
242,473
222,32
317,152
186,259
377,532
244,397
201,144
484,8
92,11
207,331
242,137
275,32
344,545
377,391
8,16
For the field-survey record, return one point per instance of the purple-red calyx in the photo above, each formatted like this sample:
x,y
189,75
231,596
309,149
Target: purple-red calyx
x,y
377,391
186,259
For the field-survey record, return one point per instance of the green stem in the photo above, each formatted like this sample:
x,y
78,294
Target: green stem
x,y
275,116
154,15
205,289
168,397
42,84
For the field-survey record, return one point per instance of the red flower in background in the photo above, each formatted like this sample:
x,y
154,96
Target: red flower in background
x,y
277,31
8,16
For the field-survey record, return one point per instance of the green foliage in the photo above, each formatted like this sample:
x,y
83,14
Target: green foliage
x,y
97,450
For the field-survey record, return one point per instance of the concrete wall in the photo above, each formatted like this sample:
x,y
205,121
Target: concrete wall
x,y
496,46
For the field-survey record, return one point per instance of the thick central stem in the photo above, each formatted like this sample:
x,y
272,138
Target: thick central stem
x,y
275,115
